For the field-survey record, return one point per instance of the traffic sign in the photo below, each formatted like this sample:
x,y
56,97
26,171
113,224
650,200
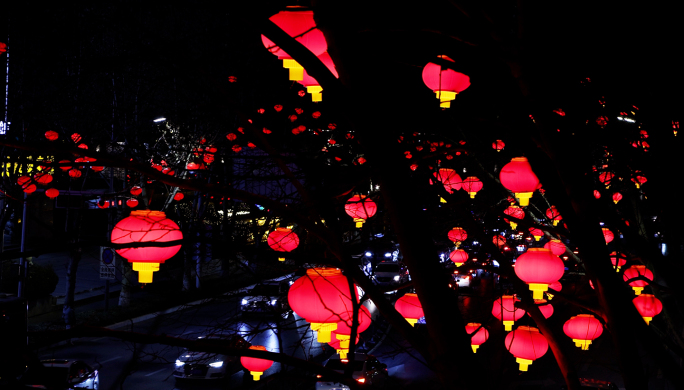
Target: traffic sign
x,y
107,263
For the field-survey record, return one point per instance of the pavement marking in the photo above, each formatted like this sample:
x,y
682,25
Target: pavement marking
x,y
158,371
109,360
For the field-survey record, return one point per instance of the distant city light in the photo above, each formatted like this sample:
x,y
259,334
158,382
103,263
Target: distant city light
x,y
369,254
162,119
388,254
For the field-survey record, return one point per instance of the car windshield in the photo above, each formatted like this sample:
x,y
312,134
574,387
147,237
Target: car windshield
x,y
387,268
265,289
337,364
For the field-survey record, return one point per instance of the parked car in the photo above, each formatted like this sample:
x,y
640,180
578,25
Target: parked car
x,y
268,298
204,365
62,374
390,273
368,371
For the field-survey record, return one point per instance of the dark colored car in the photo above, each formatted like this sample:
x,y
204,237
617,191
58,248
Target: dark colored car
x,y
204,365
62,374
267,298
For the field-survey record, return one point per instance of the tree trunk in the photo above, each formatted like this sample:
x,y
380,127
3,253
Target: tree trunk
x,y
126,282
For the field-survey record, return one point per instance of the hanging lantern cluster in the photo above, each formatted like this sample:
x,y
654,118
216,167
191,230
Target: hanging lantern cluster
x,y
321,297
146,226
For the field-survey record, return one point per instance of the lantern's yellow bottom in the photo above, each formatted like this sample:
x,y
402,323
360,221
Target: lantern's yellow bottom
x,y
524,199
524,363
315,91
256,375
508,325
296,70
323,330
584,344
538,290
474,347
145,271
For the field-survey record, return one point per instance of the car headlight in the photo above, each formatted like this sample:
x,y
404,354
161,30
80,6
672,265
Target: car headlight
x,y
273,302
216,364
244,302
396,278
179,363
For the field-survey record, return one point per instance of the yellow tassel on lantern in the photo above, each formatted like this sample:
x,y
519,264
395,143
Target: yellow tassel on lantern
x,y
145,271
359,222
538,290
474,347
584,344
648,320
256,375
323,330
315,91
296,70
524,363
638,290
508,325
523,198
412,321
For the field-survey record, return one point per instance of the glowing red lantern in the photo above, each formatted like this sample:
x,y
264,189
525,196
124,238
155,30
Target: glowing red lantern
x,y
178,196
648,306
144,226
617,197
472,185
499,241
52,193
192,166
256,366
360,208
450,179
553,214
539,267
343,331
23,181
445,83
311,84
135,190
536,233
515,212
498,145
608,235
410,308
618,260
74,173
583,329
545,308
479,335
321,297
597,194
338,344
51,135
639,180
606,178
636,271
301,26
132,203
76,138
504,309
3,47
457,235
555,246
283,240
517,176
458,256
527,345
208,158
64,167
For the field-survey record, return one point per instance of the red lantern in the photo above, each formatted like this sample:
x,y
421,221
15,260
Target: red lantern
x,y
320,297
556,286
51,135
617,260
144,226
30,188
639,180
178,196
477,338
445,83
23,181
608,235
499,241
536,233
527,345
208,158
597,194
3,47
553,214
458,256
539,267
457,235
498,145
517,176
76,138
515,212
256,366
617,197
311,84
63,167
583,329
103,204
504,309
606,178
301,26
545,308
648,306
410,308
360,208
341,346
472,185
283,240
636,271
135,190
52,193
74,173
132,203
555,246
192,166
450,179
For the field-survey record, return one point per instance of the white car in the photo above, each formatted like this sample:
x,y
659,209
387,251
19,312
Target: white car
x,y
368,371
267,298
204,365
390,274
62,374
